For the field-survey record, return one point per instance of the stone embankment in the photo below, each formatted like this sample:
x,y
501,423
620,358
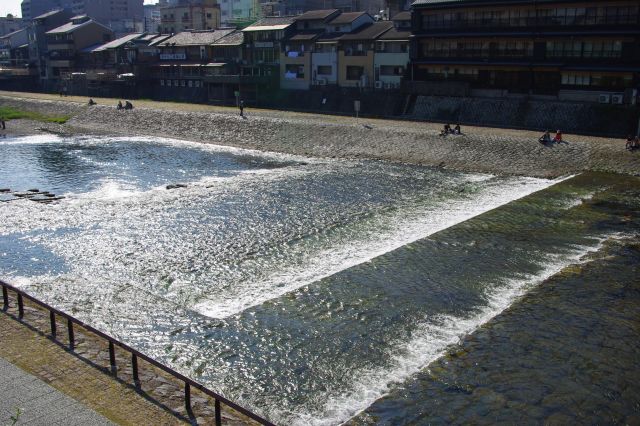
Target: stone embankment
x,y
492,150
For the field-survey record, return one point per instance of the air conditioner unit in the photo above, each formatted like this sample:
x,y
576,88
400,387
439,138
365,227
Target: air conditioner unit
x,y
617,99
378,84
322,82
603,98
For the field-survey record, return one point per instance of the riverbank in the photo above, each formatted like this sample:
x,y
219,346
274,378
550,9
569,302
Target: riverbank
x,y
479,149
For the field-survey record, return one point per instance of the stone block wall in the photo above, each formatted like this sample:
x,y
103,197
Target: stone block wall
x,y
573,117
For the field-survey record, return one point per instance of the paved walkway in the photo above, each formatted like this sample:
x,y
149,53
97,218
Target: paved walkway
x,y
39,403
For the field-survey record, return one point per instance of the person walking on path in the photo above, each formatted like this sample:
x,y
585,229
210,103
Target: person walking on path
x,y
241,106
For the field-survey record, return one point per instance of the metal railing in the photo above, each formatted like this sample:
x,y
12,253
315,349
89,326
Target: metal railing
x,y
188,383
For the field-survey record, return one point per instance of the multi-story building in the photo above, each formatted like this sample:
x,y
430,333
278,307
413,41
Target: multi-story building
x,y
66,43
152,18
571,49
11,24
190,15
237,12
295,65
14,51
38,47
183,62
392,53
120,15
326,49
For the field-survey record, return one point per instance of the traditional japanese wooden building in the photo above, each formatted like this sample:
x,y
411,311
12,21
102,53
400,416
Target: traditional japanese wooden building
x,y
575,50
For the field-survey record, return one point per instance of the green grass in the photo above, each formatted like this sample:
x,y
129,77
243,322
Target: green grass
x,y
9,113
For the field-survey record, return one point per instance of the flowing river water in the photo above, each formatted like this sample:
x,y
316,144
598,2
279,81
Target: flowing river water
x,y
323,291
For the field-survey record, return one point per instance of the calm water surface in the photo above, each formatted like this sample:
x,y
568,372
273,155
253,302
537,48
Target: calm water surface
x,y
305,289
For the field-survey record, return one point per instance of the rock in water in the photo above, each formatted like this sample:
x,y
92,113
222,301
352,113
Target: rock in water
x,y
176,185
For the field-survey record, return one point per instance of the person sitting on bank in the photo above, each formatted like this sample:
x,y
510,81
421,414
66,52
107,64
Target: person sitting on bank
x,y
119,105
456,130
128,105
630,142
558,137
545,138
91,102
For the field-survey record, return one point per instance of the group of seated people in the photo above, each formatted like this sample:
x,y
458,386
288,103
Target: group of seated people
x,y
632,143
447,130
127,105
546,137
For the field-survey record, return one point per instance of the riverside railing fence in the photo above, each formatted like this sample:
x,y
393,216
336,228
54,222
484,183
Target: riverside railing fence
x,y
135,355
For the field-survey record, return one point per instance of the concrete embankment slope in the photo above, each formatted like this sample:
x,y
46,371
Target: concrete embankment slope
x,y
480,149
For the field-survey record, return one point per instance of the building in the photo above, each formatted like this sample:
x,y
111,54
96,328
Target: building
x,y
38,47
326,49
67,43
295,65
11,24
120,15
152,18
237,12
187,15
222,78
184,60
573,50
392,53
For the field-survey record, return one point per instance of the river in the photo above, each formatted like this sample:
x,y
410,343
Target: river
x,y
313,291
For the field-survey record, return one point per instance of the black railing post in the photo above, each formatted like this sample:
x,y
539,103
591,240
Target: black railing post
x,y
218,413
72,342
187,396
20,306
52,320
112,357
5,298
134,368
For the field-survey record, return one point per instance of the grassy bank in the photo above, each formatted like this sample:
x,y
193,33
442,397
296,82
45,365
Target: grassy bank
x,y
9,113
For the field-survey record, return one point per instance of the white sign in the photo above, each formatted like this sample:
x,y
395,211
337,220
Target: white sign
x,y
173,56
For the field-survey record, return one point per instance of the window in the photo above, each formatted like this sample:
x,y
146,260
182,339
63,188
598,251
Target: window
x,y
324,70
183,83
168,83
391,70
209,15
161,82
354,72
190,83
293,71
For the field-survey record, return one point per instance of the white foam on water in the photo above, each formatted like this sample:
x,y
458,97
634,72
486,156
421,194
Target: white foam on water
x,y
31,140
405,228
429,341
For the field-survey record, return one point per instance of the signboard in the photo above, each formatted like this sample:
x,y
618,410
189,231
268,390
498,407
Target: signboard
x,y
173,56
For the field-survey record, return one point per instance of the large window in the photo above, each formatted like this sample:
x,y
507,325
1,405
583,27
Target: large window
x,y
477,49
528,16
391,70
586,49
354,72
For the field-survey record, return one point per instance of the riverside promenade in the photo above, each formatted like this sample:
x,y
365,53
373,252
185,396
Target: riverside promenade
x,y
25,399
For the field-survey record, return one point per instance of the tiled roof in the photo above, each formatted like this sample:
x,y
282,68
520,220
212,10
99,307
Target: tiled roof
x,y
329,37
347,18
158,39
70,27
394,34
402,16
428,2
305,36
234,38
369,32
314,15
270,23
48,14
195,38
118,42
